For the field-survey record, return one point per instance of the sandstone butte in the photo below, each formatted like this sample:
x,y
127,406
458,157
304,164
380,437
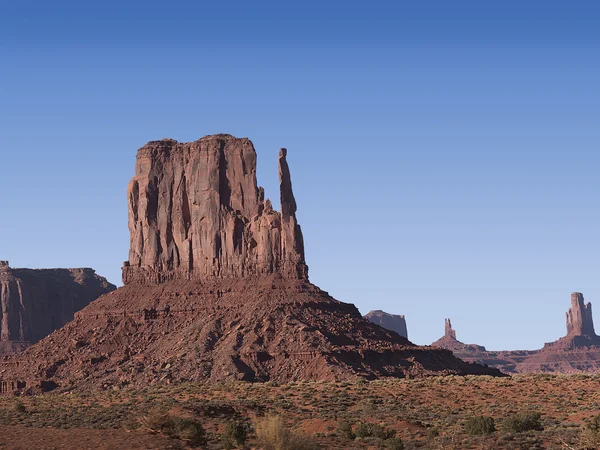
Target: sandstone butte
x,y
216,288
34,303
578,351
392,322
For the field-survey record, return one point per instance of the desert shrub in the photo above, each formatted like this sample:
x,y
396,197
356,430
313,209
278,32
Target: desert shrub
x,y
590,435
394,443
480,425
272,434
183,428
365,430
345,430
235,435
19,407
524,421
433,433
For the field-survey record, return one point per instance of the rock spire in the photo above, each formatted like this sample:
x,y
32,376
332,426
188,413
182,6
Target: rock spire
x,y
448,331
579,317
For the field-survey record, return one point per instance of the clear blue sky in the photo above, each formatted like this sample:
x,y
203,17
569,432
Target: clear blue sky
x,y
444,155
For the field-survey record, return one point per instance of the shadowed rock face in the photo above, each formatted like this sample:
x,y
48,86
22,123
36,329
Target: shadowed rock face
x,y
196,212
393,322
34,303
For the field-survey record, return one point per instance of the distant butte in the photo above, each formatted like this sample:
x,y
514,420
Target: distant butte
x,y
578,351
35,302
392,322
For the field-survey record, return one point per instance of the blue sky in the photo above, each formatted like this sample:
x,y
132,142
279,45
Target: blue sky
x,y
444,155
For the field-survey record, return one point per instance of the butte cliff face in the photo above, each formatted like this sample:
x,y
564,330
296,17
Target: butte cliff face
x,y
196,212
34,303
216,288
392,322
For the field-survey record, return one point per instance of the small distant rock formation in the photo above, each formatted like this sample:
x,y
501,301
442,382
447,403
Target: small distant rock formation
x,y
448,331
392,322
449,341
578,351
34,303
216,288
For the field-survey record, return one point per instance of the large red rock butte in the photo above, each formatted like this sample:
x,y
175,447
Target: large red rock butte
x,y
196,212
35,302
216,288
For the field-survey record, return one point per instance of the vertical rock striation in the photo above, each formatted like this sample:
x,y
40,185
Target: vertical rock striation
x,y
196,212
448,331
34,303
579,317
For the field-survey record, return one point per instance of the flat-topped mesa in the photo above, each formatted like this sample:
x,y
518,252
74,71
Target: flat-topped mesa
x,y
392,322
35,302
196,212
448,331
579,317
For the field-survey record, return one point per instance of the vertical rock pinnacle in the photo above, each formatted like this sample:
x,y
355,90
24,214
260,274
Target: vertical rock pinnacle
x,y
448,331
579,317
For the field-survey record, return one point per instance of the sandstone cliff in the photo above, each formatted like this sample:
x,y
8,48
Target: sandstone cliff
x,y
196,212
392,322
34,303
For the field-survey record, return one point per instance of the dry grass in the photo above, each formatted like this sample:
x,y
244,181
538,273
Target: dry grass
x,y
423,414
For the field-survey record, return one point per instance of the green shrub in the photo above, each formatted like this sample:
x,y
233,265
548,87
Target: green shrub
x,y
235,435
480,425
524,421
345,430
394,443
364,430
272,434
19,407
433,433
182,428
590,435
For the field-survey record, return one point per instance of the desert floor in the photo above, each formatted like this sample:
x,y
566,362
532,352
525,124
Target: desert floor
x,y
433,413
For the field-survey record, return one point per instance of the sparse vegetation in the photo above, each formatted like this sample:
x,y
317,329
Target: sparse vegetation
x,y
431,413
272,434
182,428
480,425
235,435
524,421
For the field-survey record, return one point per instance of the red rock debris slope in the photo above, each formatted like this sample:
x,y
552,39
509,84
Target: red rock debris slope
x,y
216,288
